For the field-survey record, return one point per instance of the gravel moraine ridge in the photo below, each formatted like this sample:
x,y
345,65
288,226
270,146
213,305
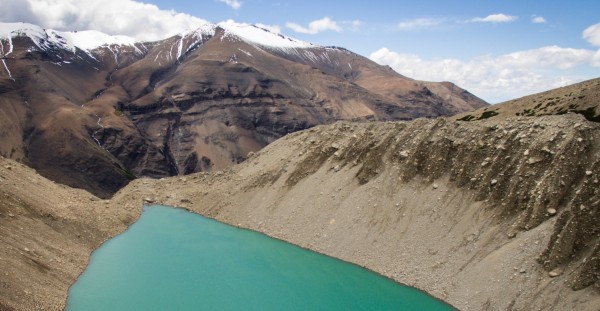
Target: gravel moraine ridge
x,y
486,215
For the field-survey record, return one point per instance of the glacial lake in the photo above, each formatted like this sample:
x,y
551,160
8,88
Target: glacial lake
x,y
171,259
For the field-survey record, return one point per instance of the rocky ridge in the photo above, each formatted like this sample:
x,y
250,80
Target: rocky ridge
x,y
581,98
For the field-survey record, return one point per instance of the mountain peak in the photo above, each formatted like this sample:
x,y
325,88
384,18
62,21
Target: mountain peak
x,y
260,35
68,40
90,39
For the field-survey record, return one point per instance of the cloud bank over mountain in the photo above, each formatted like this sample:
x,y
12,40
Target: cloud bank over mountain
x,y
142,21
497,78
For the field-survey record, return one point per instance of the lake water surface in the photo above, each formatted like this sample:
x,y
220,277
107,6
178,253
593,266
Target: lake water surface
x,y
171,259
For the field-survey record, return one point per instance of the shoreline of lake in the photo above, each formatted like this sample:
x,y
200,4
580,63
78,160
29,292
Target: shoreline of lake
x,y
137,225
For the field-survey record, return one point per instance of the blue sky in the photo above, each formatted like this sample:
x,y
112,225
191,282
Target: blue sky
x,y
380,20
497,49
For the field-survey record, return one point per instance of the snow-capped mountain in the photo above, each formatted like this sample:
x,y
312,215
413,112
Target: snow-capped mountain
x,y
90,40
93,110
45,39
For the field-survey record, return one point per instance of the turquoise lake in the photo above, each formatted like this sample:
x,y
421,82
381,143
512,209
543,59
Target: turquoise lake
x,y
171,259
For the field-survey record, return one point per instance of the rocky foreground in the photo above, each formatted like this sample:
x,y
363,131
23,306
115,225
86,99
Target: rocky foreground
x,y
486,215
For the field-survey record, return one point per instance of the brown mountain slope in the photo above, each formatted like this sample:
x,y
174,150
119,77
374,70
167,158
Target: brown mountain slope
x,y
582,98
489,215
440,98
45,123
194,102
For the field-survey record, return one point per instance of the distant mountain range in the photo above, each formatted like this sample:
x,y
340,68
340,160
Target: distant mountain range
x,y
94,111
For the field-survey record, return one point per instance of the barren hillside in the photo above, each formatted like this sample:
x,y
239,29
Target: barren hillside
x,y
487,215
582,98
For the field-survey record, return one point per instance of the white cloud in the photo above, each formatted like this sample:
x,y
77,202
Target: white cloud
x,y
17,11
596,59
271,28
316,26
547,57
419,23
234,4
354,25
115,17
495,18
499,78
538,20
592,34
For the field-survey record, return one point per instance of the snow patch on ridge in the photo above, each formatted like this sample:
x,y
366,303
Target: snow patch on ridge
x,y
91,39
191,39
45,39
261,36
8,71
37,34
88,40
207,30
180,47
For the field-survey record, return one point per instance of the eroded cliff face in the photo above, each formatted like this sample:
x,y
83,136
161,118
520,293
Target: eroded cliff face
x,y
487,215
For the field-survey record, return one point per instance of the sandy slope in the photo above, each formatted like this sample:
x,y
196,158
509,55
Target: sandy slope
x,y
47,232
476,213
582,98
